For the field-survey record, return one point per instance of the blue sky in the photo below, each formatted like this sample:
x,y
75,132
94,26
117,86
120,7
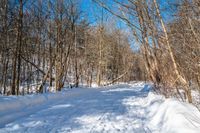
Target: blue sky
x,y
93,12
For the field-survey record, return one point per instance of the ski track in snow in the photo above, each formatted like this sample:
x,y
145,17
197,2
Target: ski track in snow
x,y
120,108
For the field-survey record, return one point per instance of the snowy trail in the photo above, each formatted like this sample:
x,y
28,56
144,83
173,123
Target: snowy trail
x,y
124,108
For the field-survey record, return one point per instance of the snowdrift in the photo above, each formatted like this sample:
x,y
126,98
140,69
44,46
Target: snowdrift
x,y
171,115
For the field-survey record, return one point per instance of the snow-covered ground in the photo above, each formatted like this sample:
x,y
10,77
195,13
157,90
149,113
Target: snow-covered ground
x,y
124,108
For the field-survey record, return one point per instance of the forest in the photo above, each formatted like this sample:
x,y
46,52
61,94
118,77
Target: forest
x,y
99,66
46,45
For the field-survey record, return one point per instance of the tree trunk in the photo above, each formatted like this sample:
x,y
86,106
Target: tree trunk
x,y
19,45
179,76
76,60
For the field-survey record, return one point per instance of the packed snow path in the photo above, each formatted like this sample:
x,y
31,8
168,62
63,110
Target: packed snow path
x,y
123,108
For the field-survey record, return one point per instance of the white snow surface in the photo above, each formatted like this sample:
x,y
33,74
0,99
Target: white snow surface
x,y
123,108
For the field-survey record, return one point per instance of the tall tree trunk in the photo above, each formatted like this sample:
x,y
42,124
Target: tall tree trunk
x,y
76,60
179,76
5,54
99,69
19,44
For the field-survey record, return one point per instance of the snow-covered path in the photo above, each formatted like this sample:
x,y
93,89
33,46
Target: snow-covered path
x,y
122,108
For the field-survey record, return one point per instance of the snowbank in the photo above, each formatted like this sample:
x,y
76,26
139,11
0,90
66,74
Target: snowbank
x,y
171,115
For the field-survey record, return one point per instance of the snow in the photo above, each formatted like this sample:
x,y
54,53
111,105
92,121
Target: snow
x,y
124,108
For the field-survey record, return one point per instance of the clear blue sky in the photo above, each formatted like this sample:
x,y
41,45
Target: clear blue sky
x,y
93,12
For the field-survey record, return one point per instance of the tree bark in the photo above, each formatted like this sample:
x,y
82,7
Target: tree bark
x,y
179,76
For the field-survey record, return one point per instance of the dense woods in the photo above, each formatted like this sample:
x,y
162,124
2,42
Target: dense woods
x,y
169,44
46,45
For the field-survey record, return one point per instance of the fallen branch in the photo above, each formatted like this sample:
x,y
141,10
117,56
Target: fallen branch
x,y
116,79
